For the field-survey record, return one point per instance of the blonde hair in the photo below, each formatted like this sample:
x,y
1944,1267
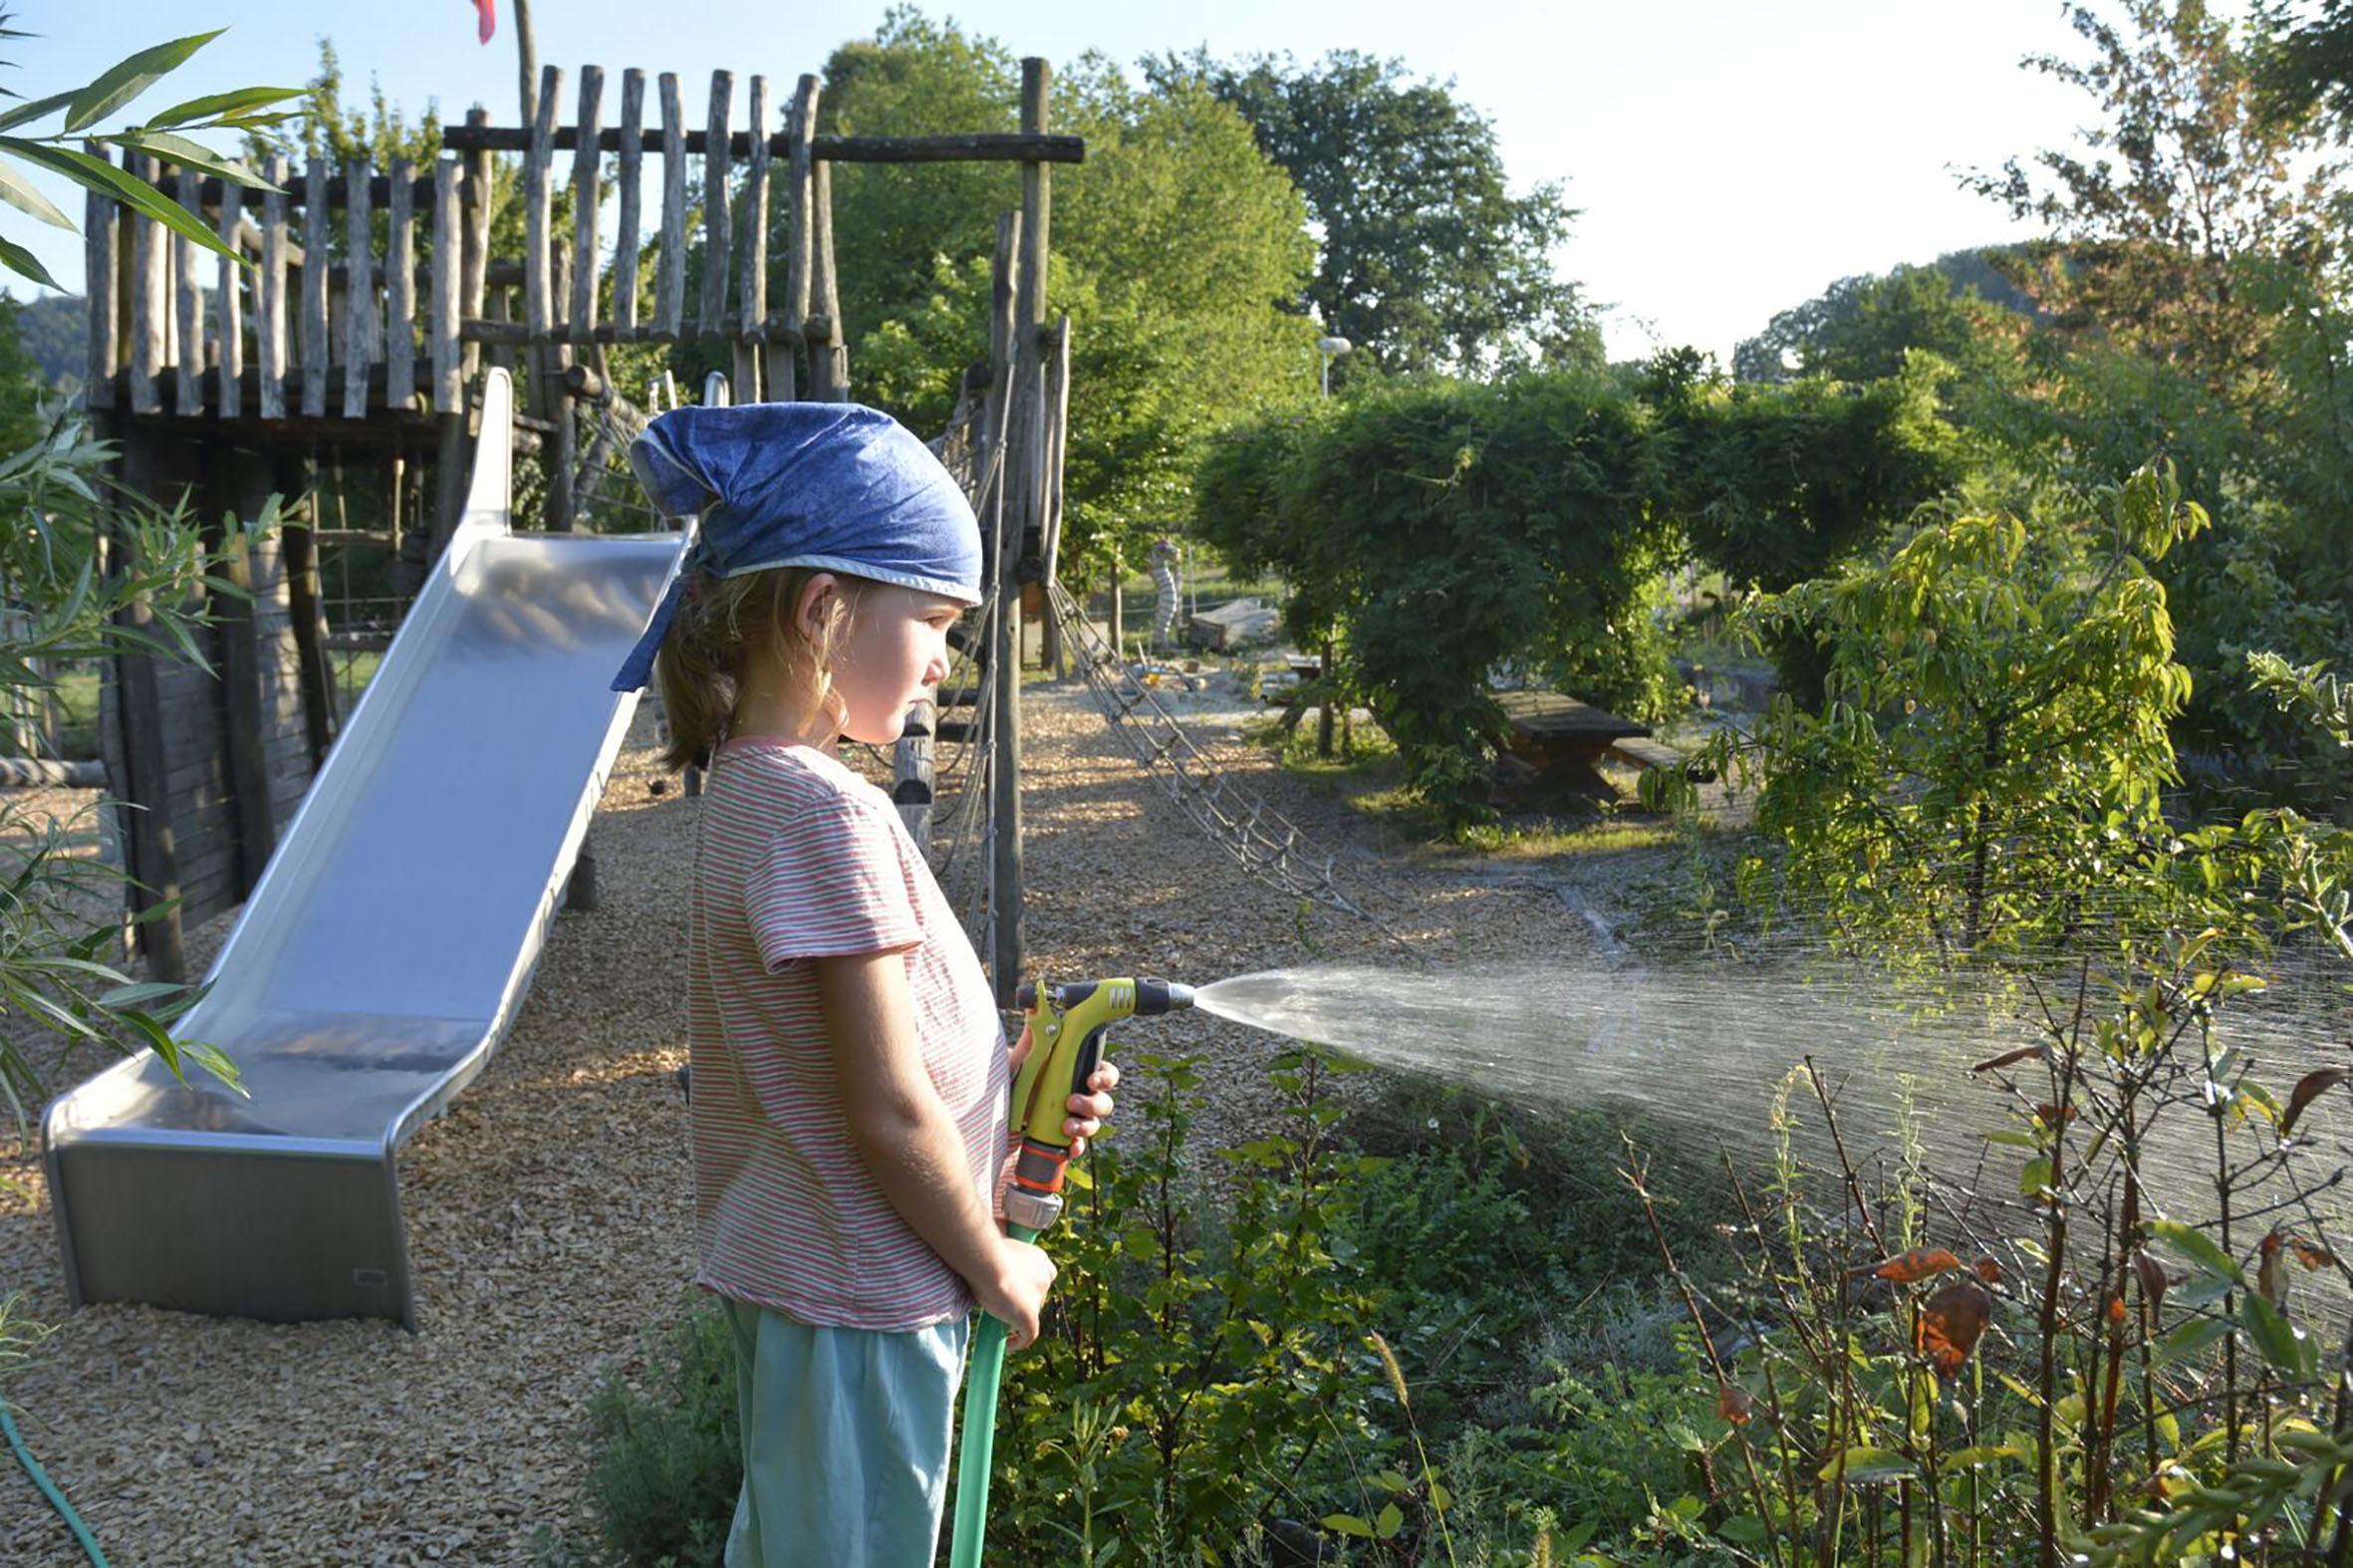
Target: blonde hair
x,y
724,626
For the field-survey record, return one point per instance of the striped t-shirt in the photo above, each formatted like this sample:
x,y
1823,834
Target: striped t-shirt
x,y
800,858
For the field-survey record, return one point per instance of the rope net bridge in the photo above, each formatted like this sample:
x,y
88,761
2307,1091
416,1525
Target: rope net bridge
x,y
1265,843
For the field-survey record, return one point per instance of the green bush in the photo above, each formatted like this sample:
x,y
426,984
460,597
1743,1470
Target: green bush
x,y
669,1462
1444,529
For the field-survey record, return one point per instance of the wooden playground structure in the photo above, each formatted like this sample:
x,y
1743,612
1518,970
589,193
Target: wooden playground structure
x,y
355,330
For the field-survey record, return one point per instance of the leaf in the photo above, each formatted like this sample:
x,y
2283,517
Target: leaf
x,y
191,155
1735,1404
1742,1529
2311,1253
1392,1520
2153,1280
1985,1453
1911,1268
232,104
24,263
1951,1322
2197,1248
22,196
1987,1269
2035,1177
2309,1088
2030,1053
132,77
24,114
2275,1339
1347,1524
96,173
2192,1339
1860,1466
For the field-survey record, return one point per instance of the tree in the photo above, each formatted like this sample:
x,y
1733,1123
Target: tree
x,y
1860,328
1426,261
2187,193
1173,245
1985,771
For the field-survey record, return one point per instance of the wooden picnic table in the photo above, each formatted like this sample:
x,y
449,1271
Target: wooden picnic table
x,y
1565,739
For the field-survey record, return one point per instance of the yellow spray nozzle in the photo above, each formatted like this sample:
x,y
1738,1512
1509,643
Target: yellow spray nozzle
x,y
1066,1027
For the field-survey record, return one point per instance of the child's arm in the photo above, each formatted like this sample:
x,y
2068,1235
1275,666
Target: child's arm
x,y
909,1142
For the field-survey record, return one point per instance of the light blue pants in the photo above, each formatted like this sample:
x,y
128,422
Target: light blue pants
x,y
846,1442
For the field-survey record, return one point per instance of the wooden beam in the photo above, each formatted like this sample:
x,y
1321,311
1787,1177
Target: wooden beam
x,y
975,147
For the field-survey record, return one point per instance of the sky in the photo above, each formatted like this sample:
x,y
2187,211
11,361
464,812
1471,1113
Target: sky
x,y
1731,158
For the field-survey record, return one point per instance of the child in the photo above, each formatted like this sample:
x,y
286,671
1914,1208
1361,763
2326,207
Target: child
x,y
849,1119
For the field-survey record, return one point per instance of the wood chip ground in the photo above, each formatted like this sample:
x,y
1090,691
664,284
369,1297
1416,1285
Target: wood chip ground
x,y
548,1215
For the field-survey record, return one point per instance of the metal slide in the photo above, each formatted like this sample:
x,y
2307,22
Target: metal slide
x,y
387,948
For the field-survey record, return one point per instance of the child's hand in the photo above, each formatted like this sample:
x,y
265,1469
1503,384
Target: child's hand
x,y
1090,1110
1017,1296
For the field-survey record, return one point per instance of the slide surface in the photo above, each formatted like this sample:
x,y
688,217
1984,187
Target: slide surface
x,y
386,949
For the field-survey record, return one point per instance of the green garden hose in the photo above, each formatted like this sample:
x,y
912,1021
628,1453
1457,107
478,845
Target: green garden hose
x,y
973,1453
57,1499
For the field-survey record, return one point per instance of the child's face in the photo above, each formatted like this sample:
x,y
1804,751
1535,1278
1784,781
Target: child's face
x,y
895,649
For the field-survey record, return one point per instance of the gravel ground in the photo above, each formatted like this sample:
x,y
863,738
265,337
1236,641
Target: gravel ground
x,y
548,1217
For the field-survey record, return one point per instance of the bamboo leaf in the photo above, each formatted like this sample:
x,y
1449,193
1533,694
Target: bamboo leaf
x,y
132,77
19,194
96,173
195,155
25,113
24,263
234,104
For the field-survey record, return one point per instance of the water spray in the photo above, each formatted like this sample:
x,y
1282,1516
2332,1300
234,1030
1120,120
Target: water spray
x,y
1065,1029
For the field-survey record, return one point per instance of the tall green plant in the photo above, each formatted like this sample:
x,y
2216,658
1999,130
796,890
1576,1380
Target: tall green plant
x,y
1986,767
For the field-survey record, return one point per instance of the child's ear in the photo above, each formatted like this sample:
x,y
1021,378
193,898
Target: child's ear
x,y
817,605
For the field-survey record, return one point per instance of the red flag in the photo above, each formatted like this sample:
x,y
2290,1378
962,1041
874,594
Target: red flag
x,y
489,12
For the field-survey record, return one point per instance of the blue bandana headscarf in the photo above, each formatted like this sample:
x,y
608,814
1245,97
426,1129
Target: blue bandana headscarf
x,y
820,484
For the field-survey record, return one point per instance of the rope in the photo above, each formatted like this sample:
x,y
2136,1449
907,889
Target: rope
x,y
1266,844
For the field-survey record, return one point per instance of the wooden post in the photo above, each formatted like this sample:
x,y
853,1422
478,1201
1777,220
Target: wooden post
x,y
399,289
625,246
228,280
910,772
153,853
314,290
1004,650
1119,630
298,552
538,313
447,354
269,326
752,296
718,236
829,357
476,258
358,293
584,203
561,454
669,264
102,231
449,410
148,250
189,298
238,651
1057,405
799,131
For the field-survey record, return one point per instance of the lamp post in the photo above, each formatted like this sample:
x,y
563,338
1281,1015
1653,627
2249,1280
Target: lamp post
x,y
1331,349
